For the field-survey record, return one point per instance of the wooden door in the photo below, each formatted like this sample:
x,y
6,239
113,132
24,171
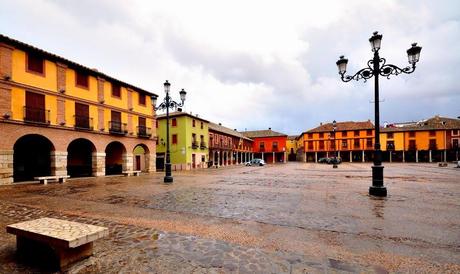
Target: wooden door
x,y
116,121
35,107
81,115
142,128
193,161
138,162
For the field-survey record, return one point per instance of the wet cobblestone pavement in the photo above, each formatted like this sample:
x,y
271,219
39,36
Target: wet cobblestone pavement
x,y
294,218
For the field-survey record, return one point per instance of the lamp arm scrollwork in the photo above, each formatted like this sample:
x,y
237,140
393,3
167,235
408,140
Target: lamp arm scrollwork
x,y
365,73
388,70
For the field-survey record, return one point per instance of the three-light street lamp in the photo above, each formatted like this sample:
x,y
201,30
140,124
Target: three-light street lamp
x,y
167,104
375,67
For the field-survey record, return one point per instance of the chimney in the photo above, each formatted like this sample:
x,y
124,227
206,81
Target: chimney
x,y
220,124
320,123
269,128
234,129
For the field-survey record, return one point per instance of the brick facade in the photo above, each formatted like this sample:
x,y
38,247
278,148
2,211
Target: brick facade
x,y
61,138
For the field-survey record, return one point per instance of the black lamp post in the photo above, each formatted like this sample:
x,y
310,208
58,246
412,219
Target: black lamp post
x,y
334,128
167,104
375,67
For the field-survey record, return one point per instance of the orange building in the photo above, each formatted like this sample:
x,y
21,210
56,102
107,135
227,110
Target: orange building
x,y
58,117
352,141
268,145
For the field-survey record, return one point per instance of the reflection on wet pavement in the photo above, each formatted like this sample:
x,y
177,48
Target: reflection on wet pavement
x,y
294,218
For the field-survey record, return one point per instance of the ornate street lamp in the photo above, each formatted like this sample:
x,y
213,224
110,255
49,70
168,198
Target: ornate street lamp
x,y
167,104
375,67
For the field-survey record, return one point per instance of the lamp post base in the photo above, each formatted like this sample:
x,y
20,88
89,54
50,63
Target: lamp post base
x,y
379,191
168,179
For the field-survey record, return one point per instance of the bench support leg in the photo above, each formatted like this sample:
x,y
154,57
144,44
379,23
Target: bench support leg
x,y
51,257
45,181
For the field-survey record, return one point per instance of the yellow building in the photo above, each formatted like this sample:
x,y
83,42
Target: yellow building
x,y
431,140
58,117
188,138
292,147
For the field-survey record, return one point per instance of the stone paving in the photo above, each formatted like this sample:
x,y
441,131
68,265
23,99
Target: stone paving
x,y
294,218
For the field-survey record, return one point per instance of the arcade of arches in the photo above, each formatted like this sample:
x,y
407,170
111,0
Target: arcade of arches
x,y
33,155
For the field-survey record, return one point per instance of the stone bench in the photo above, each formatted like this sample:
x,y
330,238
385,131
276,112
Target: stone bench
x,y
44,179
63,242
131,172
442,164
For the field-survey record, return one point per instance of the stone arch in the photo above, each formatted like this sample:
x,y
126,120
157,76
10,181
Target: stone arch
x,y
80,158
115,158
141,155
33,156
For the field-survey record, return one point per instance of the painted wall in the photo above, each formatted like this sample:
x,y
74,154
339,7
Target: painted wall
x,y
47,81
268,143
181,153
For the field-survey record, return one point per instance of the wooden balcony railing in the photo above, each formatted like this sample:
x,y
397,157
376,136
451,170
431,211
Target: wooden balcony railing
x,y
36,115
194,144
117,127
83,122
144,132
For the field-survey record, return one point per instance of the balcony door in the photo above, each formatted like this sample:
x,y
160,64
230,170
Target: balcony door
x,y
35,107
142,127
116,121
81,115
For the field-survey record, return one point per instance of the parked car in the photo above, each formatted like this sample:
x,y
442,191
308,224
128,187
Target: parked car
x,y
330,160
323,160
255,162
334,160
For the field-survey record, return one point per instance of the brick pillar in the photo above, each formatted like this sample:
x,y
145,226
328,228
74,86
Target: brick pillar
x,y
130,124
100,119
61,87
151,160
128,163
130,99
5,101
61,77
6,61
98,163
100,90
6,167
58,162
60,117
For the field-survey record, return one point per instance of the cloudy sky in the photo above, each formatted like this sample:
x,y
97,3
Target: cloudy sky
x,y
257,64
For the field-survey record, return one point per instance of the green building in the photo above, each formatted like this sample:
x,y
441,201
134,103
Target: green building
x,y
188,139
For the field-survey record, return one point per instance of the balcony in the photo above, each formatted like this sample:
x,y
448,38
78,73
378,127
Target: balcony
x,y
432,147
203,145
390,147
36,115
119,128
194,144
412,147
83,122
275,148
144,132
369,145
262,149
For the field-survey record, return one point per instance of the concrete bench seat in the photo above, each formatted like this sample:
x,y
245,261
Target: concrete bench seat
x,y
131,172
69,241
44,179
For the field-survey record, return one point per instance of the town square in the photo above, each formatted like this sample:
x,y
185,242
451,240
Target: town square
x,y
260,137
